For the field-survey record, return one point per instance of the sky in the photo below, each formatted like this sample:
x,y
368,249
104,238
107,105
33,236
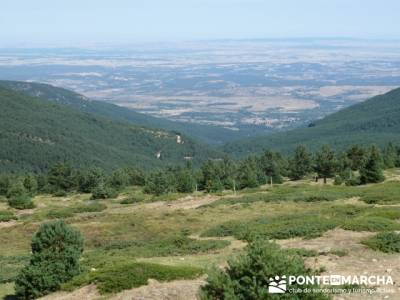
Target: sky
x,y
73,22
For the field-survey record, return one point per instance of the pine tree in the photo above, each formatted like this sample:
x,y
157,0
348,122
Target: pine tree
x,y
61,178
271,166
371,171
390,156
301,164
325,163
56,249
356,156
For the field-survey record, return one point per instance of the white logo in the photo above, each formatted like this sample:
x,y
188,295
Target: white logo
x,y
277,285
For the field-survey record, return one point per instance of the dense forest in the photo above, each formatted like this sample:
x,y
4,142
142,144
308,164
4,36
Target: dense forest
x,y
35,134
355,166
213,135
376,120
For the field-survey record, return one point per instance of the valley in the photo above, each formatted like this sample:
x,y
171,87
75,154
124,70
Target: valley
x,y
251,86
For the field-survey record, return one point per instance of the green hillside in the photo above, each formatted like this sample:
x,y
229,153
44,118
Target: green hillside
x,y
209,134
376,120
34,134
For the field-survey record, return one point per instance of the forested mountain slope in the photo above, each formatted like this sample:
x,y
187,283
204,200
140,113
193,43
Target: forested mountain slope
x,y
205,133
376,120
34,134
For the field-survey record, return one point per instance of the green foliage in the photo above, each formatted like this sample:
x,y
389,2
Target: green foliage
x,y
371,171
283,227
159,183
6,215
61,177
5,182
56,248
301,164
376,120
70,211
90,179
170,246
247,277
388,242
325,162
21,202
132,200
30,184
371,224
118,179
103,191
10,266
384,193
126,275
272,165
16,189
36,134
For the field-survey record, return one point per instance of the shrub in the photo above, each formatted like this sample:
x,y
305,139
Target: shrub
x,y
122,276
56,249
60,214
284,227
131,200
371,224
60,193
247,277
338,180
86,208
6,216
104,192
21,202
388,242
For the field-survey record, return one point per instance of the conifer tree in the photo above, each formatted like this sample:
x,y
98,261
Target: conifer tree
x,y
325,163
300,164
56,249
371,171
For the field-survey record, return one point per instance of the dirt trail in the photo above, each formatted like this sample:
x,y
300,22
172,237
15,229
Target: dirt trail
x,y
173,290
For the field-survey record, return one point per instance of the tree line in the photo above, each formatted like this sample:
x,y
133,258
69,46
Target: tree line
x,y
355,166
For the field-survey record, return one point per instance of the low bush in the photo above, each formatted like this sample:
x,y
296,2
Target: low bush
x,y
60,214
104,192
388,242
6,215
284,227
371,224
249,276
21,202
87,208
131,200
122,276
70,211
174,245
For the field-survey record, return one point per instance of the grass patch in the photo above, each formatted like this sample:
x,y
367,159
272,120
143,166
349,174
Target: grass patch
x,y
6,215
122,276
386,193
172,246
283,227
132,200
388,242
366,223
70,211
296,193
10,267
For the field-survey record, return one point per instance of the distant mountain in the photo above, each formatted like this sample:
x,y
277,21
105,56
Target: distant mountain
x,y
213,135
376,120
36,133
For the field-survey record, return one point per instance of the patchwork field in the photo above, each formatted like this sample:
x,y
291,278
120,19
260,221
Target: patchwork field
x,y
143,247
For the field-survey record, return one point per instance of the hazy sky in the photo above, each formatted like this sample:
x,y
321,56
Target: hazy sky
x,y
91,21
